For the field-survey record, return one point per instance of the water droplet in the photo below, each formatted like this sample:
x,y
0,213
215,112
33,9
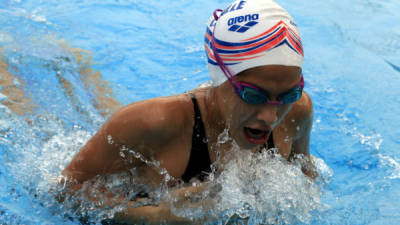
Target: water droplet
x,y
223,137
287,139
121,153
110,140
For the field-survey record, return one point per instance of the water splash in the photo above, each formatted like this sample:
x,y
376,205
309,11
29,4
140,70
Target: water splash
x,y
262,188
391,163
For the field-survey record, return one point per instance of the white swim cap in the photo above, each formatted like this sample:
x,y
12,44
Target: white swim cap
x,y
251,33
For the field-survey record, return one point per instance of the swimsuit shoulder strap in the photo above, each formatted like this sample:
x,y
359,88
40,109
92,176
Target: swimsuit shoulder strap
x,y
199,161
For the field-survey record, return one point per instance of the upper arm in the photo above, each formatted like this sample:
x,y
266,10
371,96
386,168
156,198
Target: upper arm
x,y
100,155
132,128
304,114
301,143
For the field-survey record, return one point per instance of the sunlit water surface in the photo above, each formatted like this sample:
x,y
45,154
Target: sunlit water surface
x,y
51,53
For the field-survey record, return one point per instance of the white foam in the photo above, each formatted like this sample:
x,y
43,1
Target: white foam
x,y
39,18
194,48
324,171
392,163
260,187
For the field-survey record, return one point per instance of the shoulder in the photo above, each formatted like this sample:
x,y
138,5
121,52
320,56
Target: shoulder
x,y
303,108
300,116
161,118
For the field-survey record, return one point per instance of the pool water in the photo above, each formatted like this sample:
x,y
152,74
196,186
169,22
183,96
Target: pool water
x,y
52,54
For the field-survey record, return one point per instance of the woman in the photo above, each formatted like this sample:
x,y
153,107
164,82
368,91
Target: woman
x,y
254,58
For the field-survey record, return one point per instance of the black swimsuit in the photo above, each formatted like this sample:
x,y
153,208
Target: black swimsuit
x,y
199,161
199,164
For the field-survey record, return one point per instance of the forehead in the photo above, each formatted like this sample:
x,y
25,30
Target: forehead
x,y
274,78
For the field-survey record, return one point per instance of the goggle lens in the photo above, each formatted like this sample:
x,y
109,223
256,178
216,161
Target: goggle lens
x,y
253,95
292,96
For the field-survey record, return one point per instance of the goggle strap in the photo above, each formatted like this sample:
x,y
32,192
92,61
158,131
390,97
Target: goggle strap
x,y
221,64
302,81
226,70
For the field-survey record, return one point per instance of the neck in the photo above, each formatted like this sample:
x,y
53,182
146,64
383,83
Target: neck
x,y
214,119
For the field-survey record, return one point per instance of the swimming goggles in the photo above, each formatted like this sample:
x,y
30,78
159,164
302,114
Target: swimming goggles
x,y
250,93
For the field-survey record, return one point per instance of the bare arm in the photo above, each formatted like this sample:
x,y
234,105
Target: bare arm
x,y
153,130
162,212
140,127
301,144
150,215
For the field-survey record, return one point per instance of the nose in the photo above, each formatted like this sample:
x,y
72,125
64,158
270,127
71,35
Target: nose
x,y
268,114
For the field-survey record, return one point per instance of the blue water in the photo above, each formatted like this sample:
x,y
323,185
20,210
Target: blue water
x,y
145,49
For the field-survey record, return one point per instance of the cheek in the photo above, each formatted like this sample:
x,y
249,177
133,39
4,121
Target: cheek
x,y
244,113
283,110
230,110
240,112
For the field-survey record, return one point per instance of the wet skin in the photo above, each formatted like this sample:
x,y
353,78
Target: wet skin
x,y
161,129
242,117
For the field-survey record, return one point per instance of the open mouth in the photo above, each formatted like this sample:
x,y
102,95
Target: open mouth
x,y
256,136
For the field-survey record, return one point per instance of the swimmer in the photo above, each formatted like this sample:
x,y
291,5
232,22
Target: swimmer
x,y
255,57
14,97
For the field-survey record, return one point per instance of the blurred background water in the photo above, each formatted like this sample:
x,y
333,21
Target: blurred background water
x,y
53,52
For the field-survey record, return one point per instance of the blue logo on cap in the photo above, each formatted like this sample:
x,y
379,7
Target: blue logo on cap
x,y
234,26
234,7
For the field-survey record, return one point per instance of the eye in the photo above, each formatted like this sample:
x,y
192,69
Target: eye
x,y
292,95
253,96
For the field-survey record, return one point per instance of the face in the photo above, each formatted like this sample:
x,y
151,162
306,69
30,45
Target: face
x,y
251,124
